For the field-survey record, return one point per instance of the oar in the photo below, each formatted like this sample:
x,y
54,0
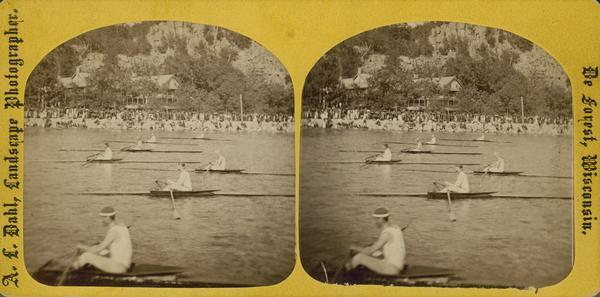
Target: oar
x,y
451,213
175,213
369,158
90,158
339,270
65,273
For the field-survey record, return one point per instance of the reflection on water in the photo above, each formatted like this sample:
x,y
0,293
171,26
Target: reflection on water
x,y
502,242
229,239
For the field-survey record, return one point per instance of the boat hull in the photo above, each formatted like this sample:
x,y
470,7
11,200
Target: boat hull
x,y
226,171
106,161
498,173
176,194
141,275
454,195
373,162
412,275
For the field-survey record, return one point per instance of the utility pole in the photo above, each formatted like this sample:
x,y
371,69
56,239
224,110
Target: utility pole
x,y
522,111
241,109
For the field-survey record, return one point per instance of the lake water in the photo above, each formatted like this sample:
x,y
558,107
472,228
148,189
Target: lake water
x,y
494,242
246,240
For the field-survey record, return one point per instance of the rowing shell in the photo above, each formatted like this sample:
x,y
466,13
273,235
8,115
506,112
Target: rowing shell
x,y
130,150
453,195
158,151
224,171
182,194
476,140
499,173
116,160
376,162
197,138
476,195
438,144
150,142
411,275
412,151
105,161
139,275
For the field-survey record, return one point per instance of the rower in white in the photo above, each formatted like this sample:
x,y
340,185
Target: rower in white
x,y
390,245
481,138
497,166
183,183
219,164
152,138
139,144
113,254
386,155
419,146
460,186
107,155
433,139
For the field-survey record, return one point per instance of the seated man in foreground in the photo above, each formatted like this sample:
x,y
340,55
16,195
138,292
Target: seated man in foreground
x,y
117,244
390,244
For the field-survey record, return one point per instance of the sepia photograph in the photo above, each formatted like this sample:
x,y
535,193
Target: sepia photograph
x,y
159,154
437,154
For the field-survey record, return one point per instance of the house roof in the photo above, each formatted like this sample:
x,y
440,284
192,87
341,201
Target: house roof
x,y
166,81
78,79
359,81
450,82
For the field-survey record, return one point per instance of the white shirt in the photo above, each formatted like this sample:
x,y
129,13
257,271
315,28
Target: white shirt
x,y
107,154
462,182
498,166
120,248
394,251
219,164
387,155
184,180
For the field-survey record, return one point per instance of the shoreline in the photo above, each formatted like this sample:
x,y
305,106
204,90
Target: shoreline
x,y
450,127
163,125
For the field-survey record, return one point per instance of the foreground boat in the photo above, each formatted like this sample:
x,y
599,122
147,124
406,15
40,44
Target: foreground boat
x,y
453,195
498,173
55,272
411,275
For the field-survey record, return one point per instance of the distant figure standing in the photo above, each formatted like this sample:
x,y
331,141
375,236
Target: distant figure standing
x,y
390,244
117,244
460,186
497,166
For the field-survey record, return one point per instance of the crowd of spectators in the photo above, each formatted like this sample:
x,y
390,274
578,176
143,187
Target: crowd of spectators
x,y
54,117
434,121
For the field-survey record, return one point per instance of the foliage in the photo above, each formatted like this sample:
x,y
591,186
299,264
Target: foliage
x,y
490,84
208,81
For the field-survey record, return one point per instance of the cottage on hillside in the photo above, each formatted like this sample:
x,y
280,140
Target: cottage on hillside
x,y
167,84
